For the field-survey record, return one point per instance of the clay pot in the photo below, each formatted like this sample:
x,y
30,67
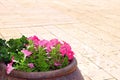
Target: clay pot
x,y
70,72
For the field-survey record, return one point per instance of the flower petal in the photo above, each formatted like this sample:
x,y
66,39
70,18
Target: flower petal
x,y
9,68
31,65
26,52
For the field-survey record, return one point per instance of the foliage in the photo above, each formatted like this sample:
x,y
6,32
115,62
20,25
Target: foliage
x,y
13,45
4,51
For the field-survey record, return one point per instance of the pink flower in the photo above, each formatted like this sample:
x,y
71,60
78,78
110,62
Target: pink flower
x,y
35,39
49,46
57,64
9,68
54,42
65,48
26,53
70,55
48,49
43,43
31,65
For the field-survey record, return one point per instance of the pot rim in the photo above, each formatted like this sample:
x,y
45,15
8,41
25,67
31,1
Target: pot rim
x,y
45,75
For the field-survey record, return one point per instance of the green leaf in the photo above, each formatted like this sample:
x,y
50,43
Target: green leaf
x,y
18,44
65,62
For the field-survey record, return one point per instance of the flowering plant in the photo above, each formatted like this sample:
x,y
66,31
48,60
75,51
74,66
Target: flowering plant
x,y
34,55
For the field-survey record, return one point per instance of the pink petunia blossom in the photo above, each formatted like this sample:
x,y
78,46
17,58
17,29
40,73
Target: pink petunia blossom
x,y
48,49
35,39
31,65
54,42
70,55
43,43
65,48
9,68
48,46
26,53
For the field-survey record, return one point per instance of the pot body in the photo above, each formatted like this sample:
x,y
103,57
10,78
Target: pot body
x,y
70,72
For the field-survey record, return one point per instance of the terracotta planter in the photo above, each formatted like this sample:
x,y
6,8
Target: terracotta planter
x,y
70,72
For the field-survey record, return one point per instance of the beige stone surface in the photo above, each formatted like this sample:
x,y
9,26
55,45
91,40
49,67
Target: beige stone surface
x,y
92,27
0,36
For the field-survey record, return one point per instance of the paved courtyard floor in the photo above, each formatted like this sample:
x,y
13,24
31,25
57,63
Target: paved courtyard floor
x,y
92,27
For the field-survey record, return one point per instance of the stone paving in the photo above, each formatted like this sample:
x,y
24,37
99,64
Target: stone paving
x,y
92,27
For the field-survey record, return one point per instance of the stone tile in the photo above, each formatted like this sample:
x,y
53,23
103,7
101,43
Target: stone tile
x,y
47,36
105,62
114,56
58,33
110,79
39,30
10,37
90,69
100,34
84,35
9,32
25,30
30,15
1,36
87,78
